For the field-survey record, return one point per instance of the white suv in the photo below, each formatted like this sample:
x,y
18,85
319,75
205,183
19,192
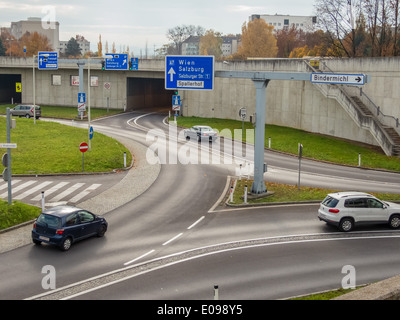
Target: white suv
x,y
347,209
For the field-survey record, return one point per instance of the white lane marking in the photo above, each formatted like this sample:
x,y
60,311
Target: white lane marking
x,y
30,191
5,185
67,192
84,193
20,187
170,240
194,224
138,258
51,190
108,284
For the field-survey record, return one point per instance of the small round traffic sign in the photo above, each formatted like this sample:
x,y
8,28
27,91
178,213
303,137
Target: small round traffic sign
x,y
83,147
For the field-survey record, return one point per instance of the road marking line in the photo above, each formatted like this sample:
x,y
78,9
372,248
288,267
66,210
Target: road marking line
x,y
67,192
51,190
20,187
5,185
170,240
194,224
30,191
138,258
84,193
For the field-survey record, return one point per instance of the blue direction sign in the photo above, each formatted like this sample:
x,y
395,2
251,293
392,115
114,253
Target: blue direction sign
x,y
135,63
47,60
119,61
91,133
189,72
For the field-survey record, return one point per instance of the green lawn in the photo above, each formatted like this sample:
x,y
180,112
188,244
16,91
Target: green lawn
x,y
17,213
287,193
49,147
65,112
315,146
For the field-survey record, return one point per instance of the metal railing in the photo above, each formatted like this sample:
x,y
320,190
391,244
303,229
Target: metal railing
x,y
385,119
370,122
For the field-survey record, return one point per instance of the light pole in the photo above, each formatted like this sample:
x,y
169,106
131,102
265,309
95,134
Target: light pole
x,y
89,85
34,86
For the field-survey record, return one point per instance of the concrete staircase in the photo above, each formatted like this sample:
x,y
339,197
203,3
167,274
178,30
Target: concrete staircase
x,y
392,133
387,137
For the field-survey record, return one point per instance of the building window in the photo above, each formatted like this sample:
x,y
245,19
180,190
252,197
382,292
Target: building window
x,y
286,22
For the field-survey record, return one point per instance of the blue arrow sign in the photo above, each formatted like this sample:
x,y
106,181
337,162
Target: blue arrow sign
x,y
47,60
119,61
91,132
189,72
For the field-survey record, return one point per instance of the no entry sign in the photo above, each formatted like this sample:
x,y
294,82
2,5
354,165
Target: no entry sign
x,y
83,147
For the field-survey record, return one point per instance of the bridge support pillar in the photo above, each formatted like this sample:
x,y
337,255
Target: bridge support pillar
x,y
258,186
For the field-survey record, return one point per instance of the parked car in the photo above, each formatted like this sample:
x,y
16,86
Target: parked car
x,y
200,133
64,225
25,110
349,209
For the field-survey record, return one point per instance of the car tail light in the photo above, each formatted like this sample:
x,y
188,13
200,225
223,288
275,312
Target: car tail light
x,y
60,231
334,210
34,225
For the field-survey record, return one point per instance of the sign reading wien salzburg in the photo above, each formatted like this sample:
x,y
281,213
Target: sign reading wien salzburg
x,y
189,72
335,78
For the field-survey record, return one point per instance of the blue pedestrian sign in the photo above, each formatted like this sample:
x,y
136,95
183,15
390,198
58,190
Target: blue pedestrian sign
x,y
47,60
119,61
189,72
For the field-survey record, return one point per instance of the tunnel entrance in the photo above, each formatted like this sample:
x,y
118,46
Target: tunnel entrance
x,y
148,93
8,85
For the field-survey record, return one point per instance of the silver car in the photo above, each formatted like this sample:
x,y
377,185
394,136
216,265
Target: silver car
x,y
348,209
27,111
199,133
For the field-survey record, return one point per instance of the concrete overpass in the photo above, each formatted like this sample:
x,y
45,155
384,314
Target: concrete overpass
x,y
369,114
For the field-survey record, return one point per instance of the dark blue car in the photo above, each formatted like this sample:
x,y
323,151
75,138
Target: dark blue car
x,y
64,225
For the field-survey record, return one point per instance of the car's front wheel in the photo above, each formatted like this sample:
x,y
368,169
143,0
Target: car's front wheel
x,y
394,221
102,231
346,225
66,245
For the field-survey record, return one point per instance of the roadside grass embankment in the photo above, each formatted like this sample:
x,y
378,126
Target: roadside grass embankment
x,y
52,148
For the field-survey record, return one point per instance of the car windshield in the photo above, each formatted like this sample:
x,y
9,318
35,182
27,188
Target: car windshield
x,y
330,202
49,221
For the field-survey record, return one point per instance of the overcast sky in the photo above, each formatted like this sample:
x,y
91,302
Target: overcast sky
x,y
135,23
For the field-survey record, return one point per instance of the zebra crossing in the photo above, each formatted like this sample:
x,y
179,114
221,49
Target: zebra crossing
x,y
55,192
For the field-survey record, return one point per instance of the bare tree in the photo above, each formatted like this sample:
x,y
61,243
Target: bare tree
x,y
179,34
335,17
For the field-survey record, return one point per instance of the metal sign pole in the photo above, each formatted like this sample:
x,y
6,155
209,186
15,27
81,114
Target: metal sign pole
x,y
9,156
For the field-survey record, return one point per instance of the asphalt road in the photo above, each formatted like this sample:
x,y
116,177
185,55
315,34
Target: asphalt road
x,y
178,213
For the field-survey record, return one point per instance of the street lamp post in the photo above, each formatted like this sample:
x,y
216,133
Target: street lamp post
x,y
89,85
34,86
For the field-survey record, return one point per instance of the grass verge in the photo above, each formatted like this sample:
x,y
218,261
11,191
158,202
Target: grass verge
x,y
49,147
65,112
16,214
288,193
315,146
